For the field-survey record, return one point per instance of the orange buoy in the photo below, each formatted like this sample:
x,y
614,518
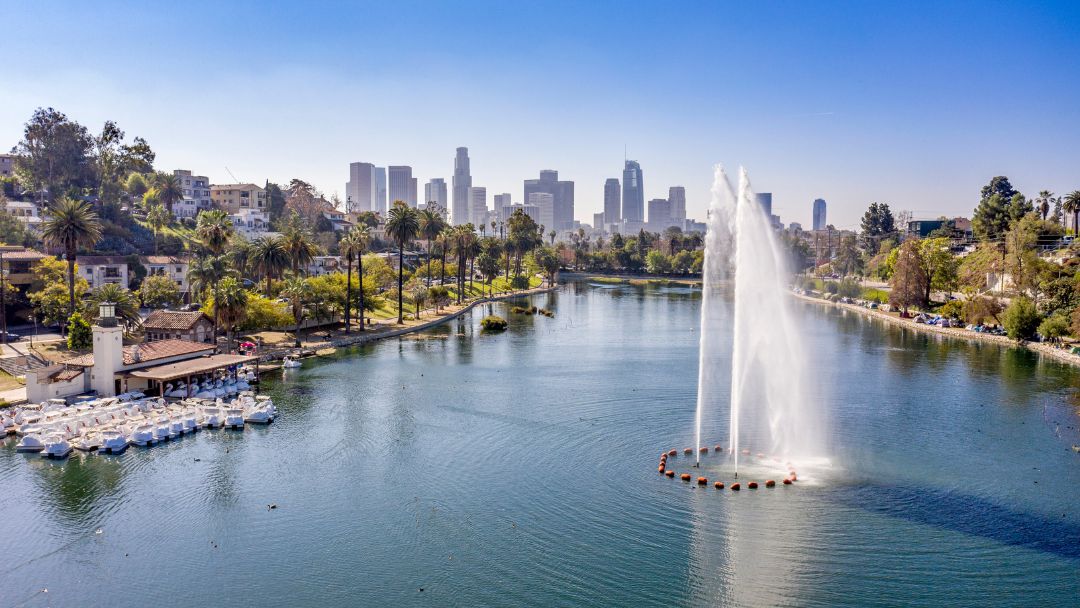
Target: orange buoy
x,y
672,474
735,486
770,483
688,451
718,448
746,450
672,453
794,477
752,485
660,469
787,482
702,481
685,477
703,450
719,485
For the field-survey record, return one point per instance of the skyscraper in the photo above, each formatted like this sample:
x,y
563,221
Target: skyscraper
x,y
462,181
633,193
764,199
562,194
402,185
612,200
819,214
502,201
478,206
659,214
677,198
435,193
366,188
544,202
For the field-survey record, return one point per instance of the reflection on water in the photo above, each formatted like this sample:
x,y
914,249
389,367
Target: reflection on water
x,y
519,469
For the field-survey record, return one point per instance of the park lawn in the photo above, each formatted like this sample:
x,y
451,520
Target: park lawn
x,y
9,382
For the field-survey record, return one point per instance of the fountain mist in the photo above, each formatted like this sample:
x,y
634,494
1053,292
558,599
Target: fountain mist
x,y
769,403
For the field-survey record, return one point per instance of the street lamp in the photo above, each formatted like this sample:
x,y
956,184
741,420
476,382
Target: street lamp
x,y
107,314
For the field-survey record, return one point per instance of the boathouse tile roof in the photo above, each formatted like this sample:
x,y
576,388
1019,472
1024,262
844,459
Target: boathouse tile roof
x,y
173,319
149,351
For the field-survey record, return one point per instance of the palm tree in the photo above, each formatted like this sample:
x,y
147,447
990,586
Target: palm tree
x,y
296,289
1071,204
269,258
205,274
474,249
402,226
552,235
169,189
352,246
127,306
230,302
214,229
71,224
158,218
463,239
431,226
299,243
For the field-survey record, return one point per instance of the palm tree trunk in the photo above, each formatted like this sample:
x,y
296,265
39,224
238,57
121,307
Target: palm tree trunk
x,y
297,313
269,275
472,272
442,264
360,272
348,289
429,264
400,272
71,280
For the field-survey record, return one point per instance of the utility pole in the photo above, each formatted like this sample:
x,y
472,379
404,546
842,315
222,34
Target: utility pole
x,y
3,300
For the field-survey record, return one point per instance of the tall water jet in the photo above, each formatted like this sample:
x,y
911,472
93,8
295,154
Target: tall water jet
x,y
770,405
715,269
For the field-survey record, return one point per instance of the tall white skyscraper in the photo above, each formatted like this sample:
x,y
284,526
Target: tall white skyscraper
x,y
502,201
612,201
545,205
633,192
819,214
462,181
677,198
366,188
402,185
562,193
435,193
478,208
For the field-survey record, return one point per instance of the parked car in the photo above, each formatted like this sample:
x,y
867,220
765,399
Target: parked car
x,y
10,337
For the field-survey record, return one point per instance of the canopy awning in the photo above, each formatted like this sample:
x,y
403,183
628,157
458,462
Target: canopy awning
x,y
191,367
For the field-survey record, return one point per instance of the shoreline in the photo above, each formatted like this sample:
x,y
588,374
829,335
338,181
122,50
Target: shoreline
x,y
363,338
1058,354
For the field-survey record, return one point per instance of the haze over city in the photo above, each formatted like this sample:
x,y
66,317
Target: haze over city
x,y
916,106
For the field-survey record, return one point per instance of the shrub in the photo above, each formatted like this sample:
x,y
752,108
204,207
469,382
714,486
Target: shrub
x,y
832,287
849,288
519,282
1021,319
547,313
953,309
980,309
1054,326
80,336
493,323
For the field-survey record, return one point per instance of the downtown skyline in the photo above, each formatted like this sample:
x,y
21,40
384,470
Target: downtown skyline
x,y
848,106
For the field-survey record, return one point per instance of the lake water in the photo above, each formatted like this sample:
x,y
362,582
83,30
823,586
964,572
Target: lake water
x,y
519,469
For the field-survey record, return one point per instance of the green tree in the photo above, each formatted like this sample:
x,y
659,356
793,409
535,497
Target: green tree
x,y
1071,204
1054,326
213,228
431,226
169,189
158,218
159,291
296,290
402,226
418,294
269,259
136,185
71,224
54,155
1021,319
352,247
439,296
489,268
127,306
80,336
548,262
909,281
849,259
48,293
877,223
264,313
657,263
298,242
940,265
230,302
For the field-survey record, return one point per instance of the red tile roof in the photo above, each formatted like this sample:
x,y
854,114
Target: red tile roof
x,y
149,351
173,319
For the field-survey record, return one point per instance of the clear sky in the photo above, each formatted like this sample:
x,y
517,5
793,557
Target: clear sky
x,y
913,104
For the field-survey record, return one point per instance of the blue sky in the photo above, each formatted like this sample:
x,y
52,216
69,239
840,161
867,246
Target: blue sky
x,y
913,104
